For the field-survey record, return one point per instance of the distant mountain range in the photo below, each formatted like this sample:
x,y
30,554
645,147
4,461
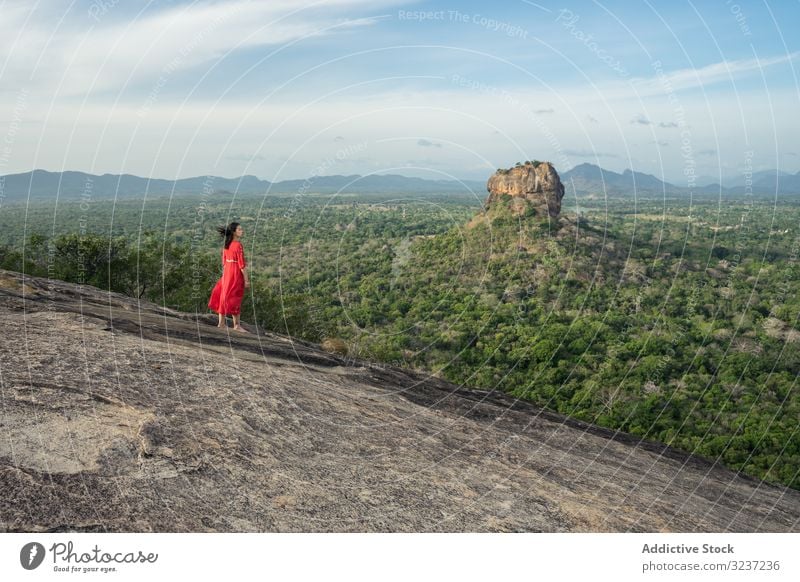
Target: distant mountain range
x,y
763,177
44,185
582,180
591,179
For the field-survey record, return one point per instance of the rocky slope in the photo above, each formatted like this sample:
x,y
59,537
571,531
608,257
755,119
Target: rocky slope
x,y
125,416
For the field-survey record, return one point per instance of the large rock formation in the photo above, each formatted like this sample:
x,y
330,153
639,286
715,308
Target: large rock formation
x,y
120,415
536,183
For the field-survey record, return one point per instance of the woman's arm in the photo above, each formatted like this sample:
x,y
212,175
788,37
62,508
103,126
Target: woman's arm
x,y
243,264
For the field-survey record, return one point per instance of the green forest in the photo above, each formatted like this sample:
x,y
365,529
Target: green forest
x,y
672,319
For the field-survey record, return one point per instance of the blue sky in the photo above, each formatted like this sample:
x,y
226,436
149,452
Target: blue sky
x,y
284,89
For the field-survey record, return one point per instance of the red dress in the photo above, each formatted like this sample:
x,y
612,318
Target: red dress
x,y
226,298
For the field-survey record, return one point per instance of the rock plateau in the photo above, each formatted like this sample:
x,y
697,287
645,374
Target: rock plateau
x,y
124,416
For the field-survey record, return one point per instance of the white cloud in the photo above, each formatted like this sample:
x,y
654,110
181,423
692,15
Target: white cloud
x,y
428,144
584,153
106,55
704,76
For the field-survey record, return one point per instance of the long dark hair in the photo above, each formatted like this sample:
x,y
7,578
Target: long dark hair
x,y
227,232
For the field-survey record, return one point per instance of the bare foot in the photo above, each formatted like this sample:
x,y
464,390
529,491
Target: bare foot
x,y
240,328
223,325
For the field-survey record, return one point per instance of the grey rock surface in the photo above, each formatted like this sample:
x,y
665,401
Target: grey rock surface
x,y
119,415
538,185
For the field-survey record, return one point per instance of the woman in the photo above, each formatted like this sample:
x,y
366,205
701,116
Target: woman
x,y
226,298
